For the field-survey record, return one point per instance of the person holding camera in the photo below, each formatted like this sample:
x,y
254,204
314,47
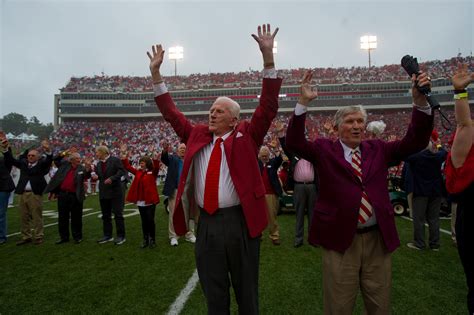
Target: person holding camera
x,y
460,177
353,220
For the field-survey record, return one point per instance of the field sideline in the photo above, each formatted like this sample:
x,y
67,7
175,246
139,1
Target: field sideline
x,y
92,278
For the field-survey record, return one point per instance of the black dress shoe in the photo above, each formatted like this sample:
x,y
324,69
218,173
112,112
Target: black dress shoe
x,y
152,244
78,240
298,244
144,244
61,241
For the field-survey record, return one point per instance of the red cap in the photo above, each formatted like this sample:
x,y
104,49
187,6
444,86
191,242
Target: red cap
x,y
434,135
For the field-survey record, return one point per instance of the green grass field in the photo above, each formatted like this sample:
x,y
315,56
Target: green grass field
x,y
89,278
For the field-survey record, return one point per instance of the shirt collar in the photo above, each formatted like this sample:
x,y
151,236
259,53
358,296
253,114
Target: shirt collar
x,y
227,135
348,150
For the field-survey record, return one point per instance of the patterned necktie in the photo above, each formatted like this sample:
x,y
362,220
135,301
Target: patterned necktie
x,y
365,210
211,188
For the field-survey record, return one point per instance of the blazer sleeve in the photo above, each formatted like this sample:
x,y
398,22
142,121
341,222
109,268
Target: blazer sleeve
x,y
171,114
10,159
265,111
120,171
415,140
296,141
128,167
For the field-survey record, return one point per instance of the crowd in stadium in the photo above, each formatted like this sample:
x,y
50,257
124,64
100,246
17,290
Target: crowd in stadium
x,y
217,180
386,73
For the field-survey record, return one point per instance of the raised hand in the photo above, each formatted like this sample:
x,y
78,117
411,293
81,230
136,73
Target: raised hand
x,y
45,145
307,92
265,39
419,99
123,148
462,77
156,59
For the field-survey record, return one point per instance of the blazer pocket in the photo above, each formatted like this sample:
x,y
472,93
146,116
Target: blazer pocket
x,y
326,213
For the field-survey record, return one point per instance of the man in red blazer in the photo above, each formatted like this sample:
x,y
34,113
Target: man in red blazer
x,y
231,205
353,220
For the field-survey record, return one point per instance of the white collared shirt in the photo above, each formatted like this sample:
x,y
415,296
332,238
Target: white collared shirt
x,y
227,194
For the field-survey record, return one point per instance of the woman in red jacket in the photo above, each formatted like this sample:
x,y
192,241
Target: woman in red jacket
x,y
143,192
460,176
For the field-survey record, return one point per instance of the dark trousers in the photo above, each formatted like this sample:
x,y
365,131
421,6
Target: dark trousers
x,y
304,196
147,215
426,209
224,248
465,240
69,206
115,205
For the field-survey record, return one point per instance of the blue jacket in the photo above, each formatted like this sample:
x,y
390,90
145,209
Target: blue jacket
x,y
172,176
272,169
425,167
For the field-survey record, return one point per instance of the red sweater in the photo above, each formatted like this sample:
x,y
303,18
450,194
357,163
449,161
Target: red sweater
x,y
143,187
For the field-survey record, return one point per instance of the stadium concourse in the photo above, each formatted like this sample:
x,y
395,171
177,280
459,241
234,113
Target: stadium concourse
x,y
387,73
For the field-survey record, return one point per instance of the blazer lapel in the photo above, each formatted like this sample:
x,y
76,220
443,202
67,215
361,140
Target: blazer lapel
x,y
367,159
339,154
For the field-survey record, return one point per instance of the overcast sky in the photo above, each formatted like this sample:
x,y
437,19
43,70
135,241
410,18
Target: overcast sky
x,y
45,43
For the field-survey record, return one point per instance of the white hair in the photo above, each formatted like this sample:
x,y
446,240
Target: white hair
x,y
377,127
234,107
344,111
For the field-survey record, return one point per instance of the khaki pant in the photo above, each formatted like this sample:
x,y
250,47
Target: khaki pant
x,y
31,212
272,205
171,232
365,265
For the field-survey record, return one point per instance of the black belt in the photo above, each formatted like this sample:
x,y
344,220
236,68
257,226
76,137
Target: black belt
x,y
367,229
305,183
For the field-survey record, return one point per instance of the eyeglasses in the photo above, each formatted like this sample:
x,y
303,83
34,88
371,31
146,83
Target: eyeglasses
x,y
33,155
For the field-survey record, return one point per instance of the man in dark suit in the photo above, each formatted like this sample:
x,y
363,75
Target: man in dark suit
x,y
67,185
425,168
6,187
174,163
353,220
221,180
269,171
109,173
30,187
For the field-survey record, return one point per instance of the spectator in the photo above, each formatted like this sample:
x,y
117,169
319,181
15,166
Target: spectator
x,y
143,192
67,185
460,177
425,167
353,219
269,171
231,205
30,187
6,187
174,162
109,173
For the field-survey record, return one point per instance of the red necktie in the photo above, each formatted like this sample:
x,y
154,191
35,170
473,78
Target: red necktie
x,y
103,168
211,188
365,209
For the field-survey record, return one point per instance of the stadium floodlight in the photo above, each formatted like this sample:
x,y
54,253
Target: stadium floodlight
x,y
368,42
176,53
275,47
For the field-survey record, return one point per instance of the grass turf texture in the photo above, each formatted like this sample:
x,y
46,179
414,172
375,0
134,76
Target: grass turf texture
x,y
92,278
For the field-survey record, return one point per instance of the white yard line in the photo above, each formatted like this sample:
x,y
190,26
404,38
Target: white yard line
x,y
183,297
426,224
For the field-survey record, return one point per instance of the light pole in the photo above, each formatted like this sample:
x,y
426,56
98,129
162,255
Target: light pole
x,y
175,53
368,42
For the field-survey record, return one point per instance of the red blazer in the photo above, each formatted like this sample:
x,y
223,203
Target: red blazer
x,y
241,150
335,213
144,184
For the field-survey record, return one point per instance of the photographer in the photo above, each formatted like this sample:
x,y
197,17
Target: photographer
x,y
353,220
